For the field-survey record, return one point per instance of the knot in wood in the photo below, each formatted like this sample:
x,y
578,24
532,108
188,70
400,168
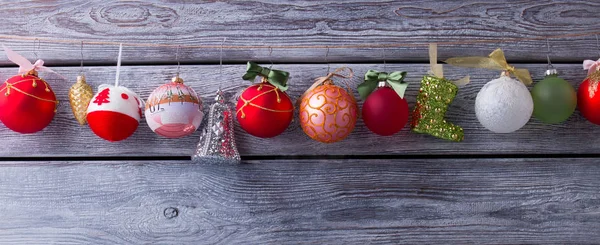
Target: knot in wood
x,y
171,212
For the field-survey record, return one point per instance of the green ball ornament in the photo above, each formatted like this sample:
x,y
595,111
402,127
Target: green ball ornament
x,y
554,99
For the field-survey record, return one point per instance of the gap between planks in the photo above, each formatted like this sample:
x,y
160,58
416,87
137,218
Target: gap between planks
x,y
245,159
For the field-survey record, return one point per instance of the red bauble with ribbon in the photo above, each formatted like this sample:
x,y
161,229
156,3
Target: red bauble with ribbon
x,y
588,94
588,98
27,103
265,110
384,112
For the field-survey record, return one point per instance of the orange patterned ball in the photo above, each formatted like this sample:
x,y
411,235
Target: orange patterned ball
x,y
328,113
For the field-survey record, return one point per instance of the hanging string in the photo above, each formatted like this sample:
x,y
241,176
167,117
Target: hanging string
x,y
81,68
550,66
327,61
178,63
598,44
221,57
270,60
356,46
384,63
118,66
35,47
221,61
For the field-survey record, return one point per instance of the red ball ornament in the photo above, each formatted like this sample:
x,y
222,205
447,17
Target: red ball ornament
x,y
264,111
384,112
27,104
114,113
588,98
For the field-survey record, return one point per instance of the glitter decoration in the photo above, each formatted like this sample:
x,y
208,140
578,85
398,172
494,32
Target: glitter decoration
x,y
217,140
434,97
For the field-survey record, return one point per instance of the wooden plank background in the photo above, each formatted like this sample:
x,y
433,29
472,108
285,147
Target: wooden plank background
x,y
538,185
302,22
463,201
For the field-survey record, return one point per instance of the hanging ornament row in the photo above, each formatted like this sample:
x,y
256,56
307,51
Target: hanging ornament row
x,y
328,112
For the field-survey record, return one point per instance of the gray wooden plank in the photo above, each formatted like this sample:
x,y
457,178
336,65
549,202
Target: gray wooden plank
x,y
276,23
64,137
434,201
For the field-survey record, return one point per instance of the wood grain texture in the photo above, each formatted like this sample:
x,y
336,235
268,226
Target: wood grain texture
x,y
275,22
456,201
64,137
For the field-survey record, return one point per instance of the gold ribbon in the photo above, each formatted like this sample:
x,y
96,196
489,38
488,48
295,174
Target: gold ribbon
x,y
438,69
495,61
321,80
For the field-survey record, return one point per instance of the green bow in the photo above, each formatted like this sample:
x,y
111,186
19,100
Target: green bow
x,y
373,77
275,77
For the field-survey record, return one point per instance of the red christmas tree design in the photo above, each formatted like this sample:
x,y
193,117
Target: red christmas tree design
x,y
102,97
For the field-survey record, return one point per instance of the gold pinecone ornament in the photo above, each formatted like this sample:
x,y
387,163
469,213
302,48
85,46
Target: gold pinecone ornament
x,y
80,96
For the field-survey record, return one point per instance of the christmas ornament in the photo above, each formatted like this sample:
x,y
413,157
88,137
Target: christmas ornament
x,y
328,112
385,111
503,105
80,96
27,103
588,99
265,110
174,110
435,95
115,111
554,99
217,141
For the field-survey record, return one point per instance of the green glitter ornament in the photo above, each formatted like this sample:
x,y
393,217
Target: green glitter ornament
x,y
554,99
434,97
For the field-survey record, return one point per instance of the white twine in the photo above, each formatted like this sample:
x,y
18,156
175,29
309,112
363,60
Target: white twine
x,y
118,65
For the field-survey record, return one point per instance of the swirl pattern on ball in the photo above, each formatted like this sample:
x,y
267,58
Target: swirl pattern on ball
x,y
328,113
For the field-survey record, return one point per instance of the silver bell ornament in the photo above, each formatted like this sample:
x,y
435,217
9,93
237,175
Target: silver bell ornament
x,y
217,140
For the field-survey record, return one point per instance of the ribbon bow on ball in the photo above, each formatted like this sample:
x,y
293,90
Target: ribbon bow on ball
x,y
275,77
437,70
373,77
341,72
24,65
591,66
495,61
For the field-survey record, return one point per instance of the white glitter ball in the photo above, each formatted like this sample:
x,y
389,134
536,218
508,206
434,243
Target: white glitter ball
x,y
503,105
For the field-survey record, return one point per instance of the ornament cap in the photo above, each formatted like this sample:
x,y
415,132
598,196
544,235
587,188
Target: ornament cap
x,y
220,97
328,82
32,72
177,79
505,74
550,72
81,79
381,84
